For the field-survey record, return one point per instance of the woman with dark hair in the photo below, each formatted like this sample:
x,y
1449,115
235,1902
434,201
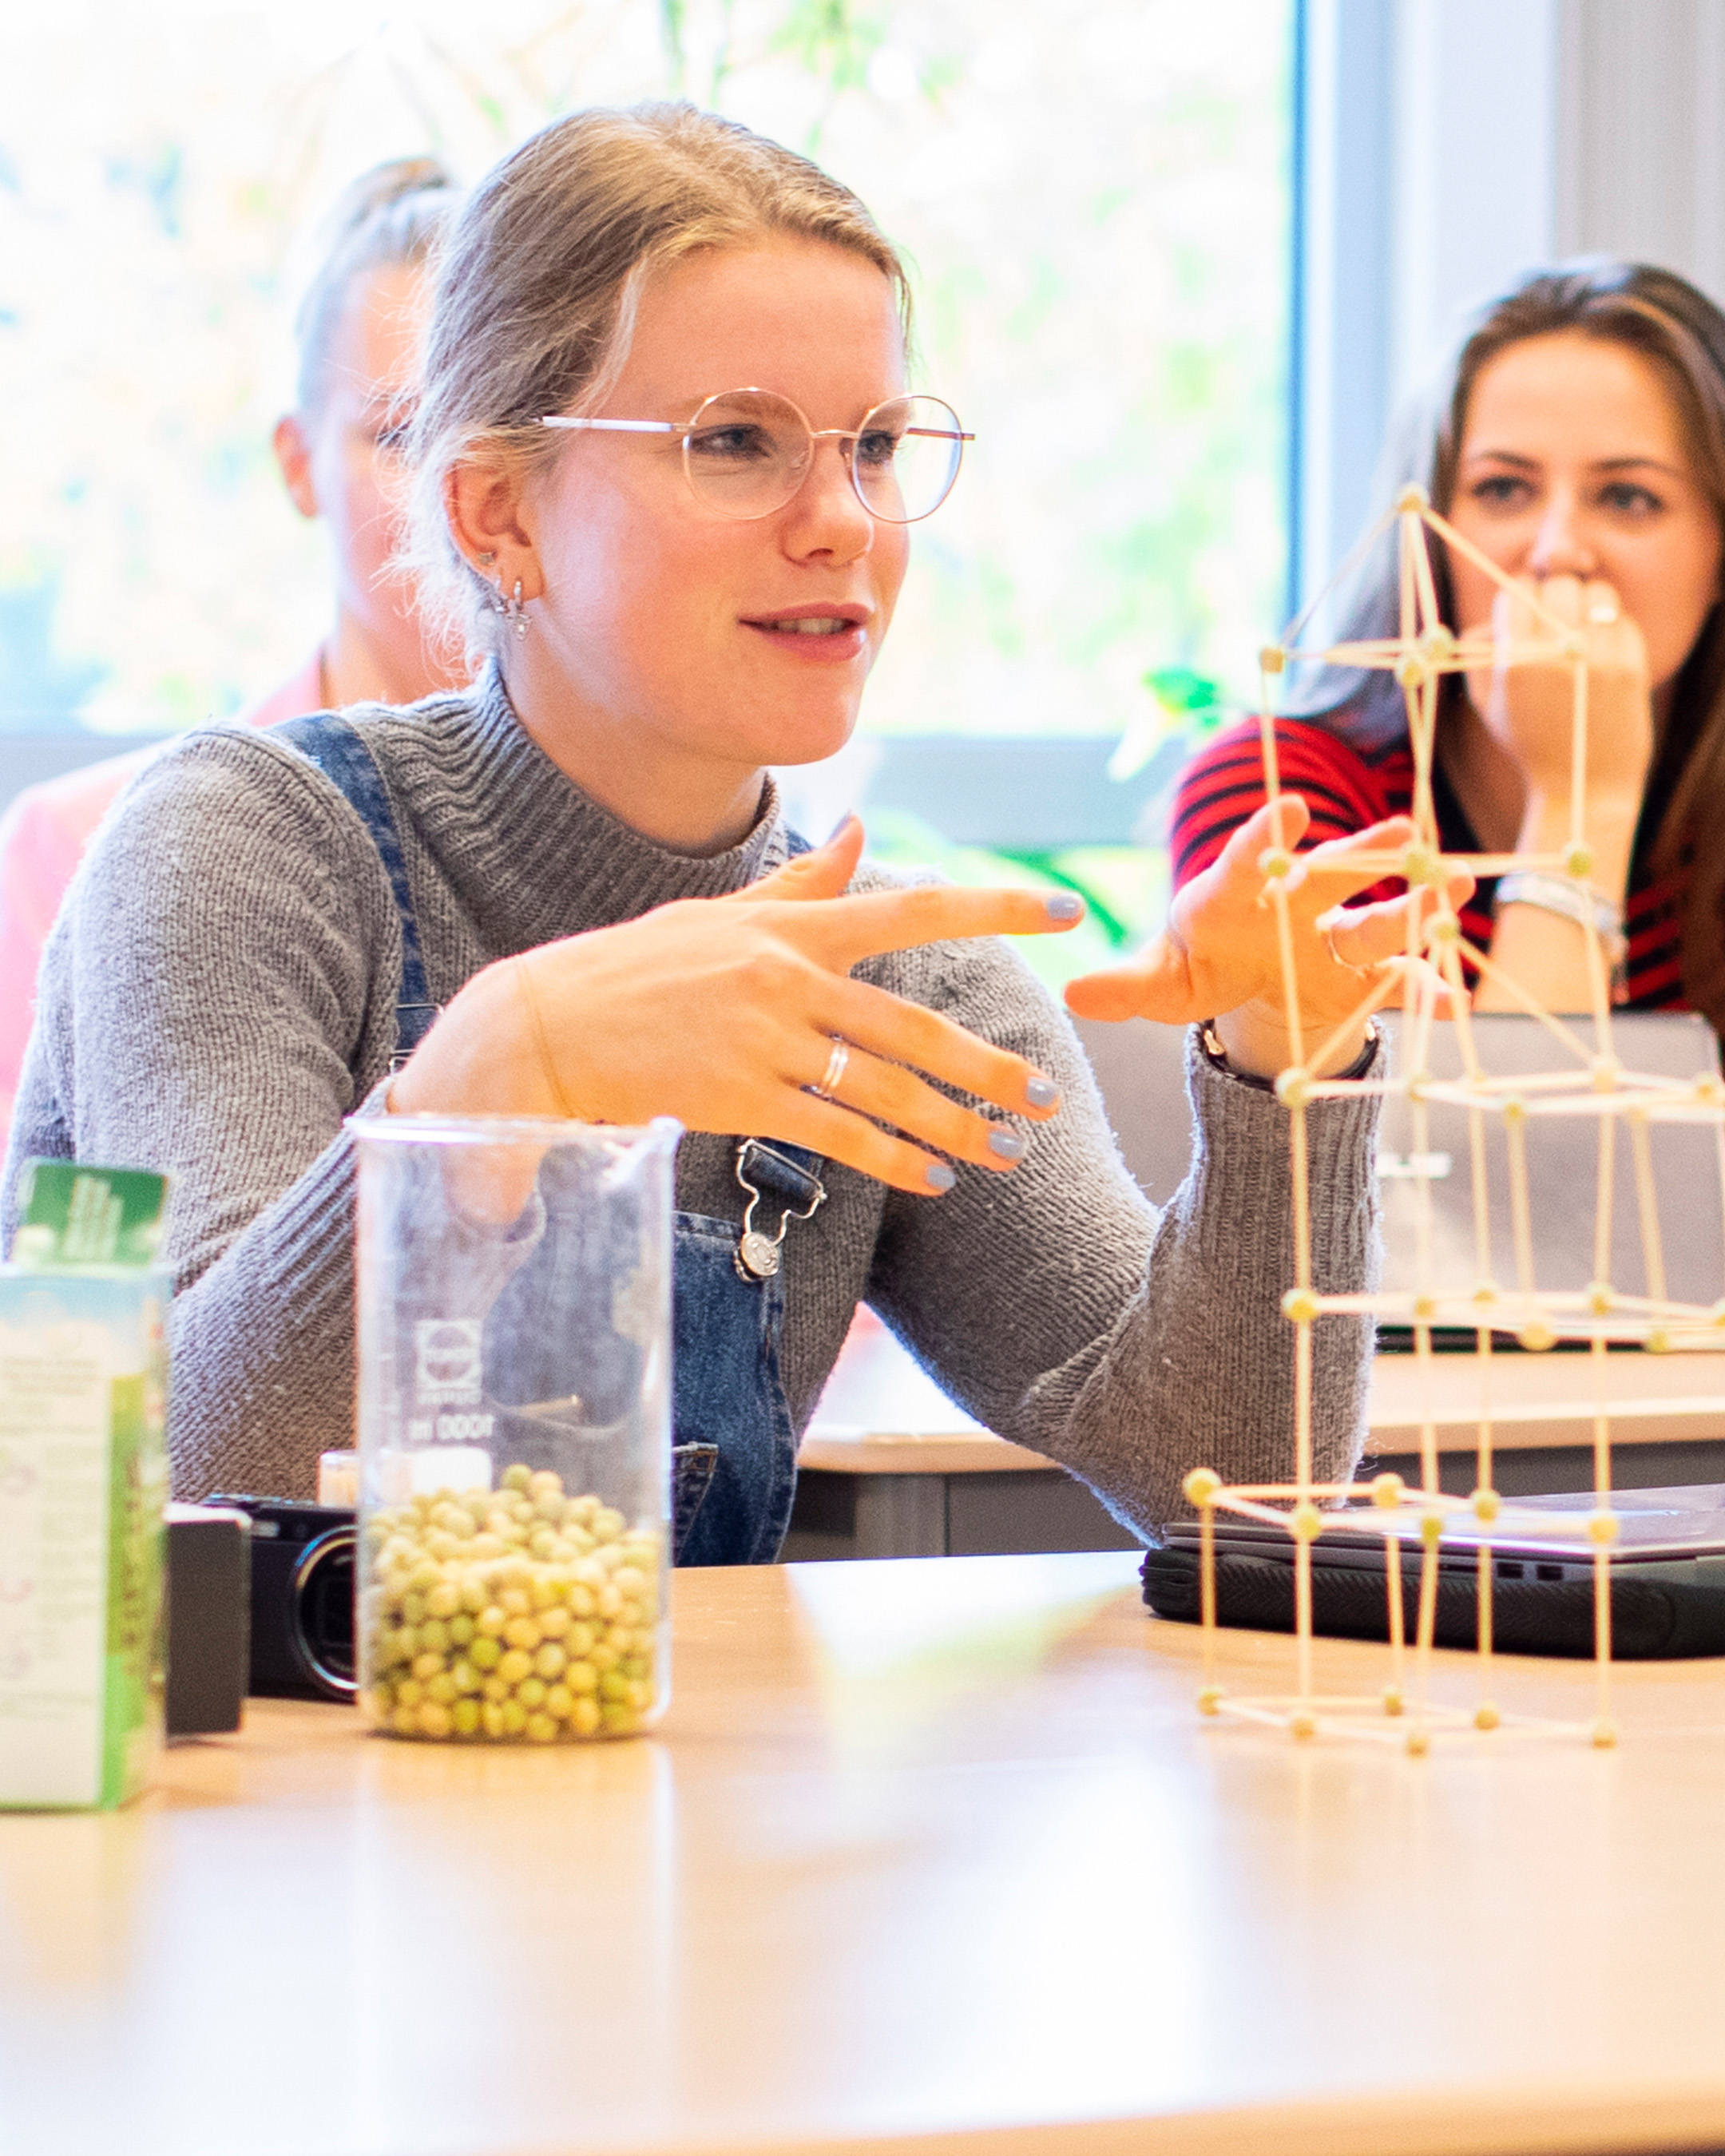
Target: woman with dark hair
x,y
1578,441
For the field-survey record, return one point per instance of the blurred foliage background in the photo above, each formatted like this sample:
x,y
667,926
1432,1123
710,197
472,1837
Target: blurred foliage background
x,y
1096,199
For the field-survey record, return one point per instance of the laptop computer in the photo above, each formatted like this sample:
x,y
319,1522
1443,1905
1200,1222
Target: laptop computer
x,y
1667,1577
1139,1067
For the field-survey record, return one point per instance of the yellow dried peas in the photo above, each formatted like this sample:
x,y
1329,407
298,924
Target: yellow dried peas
x,y
516,1615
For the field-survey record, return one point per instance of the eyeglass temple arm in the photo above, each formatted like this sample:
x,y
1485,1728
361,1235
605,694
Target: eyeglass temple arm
x,y
669,427
618,426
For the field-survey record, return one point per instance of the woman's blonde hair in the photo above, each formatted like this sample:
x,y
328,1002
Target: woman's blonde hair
x,y
540,278
1680,330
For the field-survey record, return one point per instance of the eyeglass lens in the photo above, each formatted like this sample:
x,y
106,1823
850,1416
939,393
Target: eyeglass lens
x,y
747,452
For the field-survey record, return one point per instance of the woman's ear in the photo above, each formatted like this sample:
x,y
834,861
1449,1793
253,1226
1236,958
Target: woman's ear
x,y
490,524
293,453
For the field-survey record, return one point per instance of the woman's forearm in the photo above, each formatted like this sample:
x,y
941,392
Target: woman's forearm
x,y
1542,951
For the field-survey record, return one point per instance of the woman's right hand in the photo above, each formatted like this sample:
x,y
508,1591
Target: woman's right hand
x,y
1529,711
724,1012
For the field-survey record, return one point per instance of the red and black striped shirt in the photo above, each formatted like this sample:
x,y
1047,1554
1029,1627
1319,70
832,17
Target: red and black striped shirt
x,y
1346,786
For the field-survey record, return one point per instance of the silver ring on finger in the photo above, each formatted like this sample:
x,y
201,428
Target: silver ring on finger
x,y
834,1072
1346,964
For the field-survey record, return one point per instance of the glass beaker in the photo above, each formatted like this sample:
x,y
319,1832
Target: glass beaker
x,y
514,1292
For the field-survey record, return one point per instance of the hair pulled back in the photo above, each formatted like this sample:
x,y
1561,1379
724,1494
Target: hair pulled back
x,y
390,217
540,282
1680,330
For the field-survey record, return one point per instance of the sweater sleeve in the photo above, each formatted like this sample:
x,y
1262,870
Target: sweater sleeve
x,y
216,998
1065,1312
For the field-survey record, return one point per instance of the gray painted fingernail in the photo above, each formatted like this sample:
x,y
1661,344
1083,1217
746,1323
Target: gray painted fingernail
x,y
939,1176
1042,1093
1064,906
1008,1144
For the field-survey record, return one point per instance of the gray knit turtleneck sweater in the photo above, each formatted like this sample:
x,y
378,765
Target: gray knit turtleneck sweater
x,y
220,993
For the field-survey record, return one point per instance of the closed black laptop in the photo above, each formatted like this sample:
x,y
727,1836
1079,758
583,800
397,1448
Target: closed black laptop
x,y
1667,1577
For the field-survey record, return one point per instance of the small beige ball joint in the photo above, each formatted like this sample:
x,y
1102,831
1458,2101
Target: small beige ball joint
x,y
1421,863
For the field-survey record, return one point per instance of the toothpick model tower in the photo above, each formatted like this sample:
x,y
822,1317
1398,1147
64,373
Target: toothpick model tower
x,y
1587,1080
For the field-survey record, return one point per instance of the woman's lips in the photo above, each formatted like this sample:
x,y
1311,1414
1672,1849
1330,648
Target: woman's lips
x,y
818,638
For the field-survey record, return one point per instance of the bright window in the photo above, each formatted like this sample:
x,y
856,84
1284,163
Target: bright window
x,y
1096,197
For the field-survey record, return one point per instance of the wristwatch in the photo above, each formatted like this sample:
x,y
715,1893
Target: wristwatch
x,y
1217,1057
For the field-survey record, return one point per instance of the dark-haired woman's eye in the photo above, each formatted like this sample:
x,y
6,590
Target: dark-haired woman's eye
x,y
1625,497
1502,490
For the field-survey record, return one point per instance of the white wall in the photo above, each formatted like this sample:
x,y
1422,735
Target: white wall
x,y
1451,145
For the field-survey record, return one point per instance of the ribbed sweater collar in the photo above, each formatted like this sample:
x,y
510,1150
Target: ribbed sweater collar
x,y
524,849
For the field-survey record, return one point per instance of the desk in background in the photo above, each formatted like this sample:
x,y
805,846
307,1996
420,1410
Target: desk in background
x,y
890,1468
936,1857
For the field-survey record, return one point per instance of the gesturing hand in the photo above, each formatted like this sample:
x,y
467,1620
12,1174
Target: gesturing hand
x,y
724,1012
1219,955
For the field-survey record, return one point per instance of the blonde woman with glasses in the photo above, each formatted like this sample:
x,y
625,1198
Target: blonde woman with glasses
x,y
667,465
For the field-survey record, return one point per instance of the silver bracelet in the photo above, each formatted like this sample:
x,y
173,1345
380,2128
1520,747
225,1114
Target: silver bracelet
x,y
1573,901
1562,895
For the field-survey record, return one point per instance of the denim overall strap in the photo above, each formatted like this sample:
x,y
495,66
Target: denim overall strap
x,y
785,1178
734,1471
338,749
734,1453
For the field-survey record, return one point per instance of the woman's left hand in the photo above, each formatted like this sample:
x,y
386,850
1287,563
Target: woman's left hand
x,y
1219,957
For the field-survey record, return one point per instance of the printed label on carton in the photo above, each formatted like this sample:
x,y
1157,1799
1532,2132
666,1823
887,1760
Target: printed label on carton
x,y
56,1402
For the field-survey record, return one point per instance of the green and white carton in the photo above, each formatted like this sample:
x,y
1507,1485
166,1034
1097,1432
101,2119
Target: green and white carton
x,y
83,1481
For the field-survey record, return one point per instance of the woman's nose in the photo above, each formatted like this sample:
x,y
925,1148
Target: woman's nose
x,y
1561,546
827,515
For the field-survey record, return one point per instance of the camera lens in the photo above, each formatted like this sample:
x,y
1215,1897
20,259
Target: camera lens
x,y
322,1607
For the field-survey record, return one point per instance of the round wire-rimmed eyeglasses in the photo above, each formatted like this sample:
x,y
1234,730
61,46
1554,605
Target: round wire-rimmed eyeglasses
x,y
746,453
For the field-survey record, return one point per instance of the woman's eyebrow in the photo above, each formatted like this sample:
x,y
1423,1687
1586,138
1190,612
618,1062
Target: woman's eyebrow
x,y
1525,463
1633,464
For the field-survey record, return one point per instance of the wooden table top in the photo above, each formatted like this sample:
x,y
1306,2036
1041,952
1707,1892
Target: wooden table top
x,y
938,1852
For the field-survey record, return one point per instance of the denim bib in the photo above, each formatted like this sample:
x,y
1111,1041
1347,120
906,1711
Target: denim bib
x,y
734,1450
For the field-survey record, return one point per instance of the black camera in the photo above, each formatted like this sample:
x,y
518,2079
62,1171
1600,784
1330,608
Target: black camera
x,y
302,1568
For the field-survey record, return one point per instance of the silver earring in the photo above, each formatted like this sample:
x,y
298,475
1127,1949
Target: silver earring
x,y
512,609
486,560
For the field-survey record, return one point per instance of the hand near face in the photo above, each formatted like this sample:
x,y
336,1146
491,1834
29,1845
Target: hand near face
x,y
1220,956
1529,708
724,1013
